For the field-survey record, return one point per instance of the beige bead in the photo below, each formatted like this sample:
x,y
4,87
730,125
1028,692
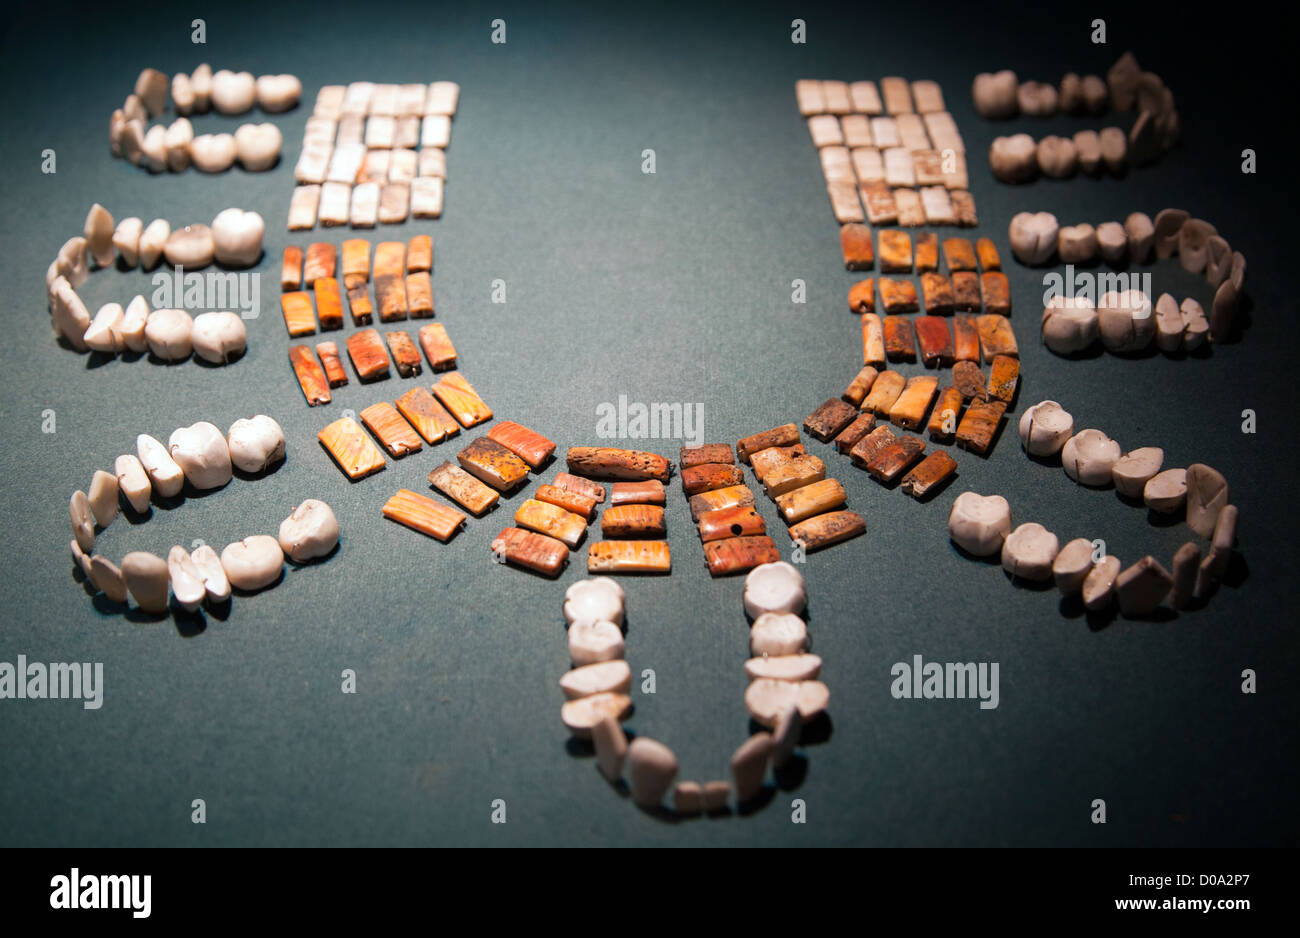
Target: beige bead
x,y
580,715
611,747
1089,457
233,92
1207,494
219,338
103,497
1044,428
716,794
1112,242
1072,565
215,582
1087,144
1069,324
590,642
1169,325
152,241
1141,234
605,677
1057,157
105,331
1166,492
1135,469
1099,584
253,563
236,237
1142,587
147,578
1028,552
1077,244
1125,321
749,766
99,235
1014,159
83,522
596,599
798,667
785,735
778,633
995,94
257,146
774,587
170,334
133,325
255,443
688,798
133,482
107,577
651,768
1187,563
190,247
80,558
186,579
1033,237
213,153
765,699
979,524
201,451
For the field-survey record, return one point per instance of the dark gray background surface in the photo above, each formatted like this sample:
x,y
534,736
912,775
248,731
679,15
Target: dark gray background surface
x,y
671,287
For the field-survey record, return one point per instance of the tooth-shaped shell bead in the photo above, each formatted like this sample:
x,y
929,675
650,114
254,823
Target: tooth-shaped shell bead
x,y
99,235
310,531
255,443
778,633
83,522
134,322
152,241
1072,565
651,768
103,497
1089,457
596,599
580,715
1134,469
766,699
253,563
219,338
133,482
749,766
201,451
105,332
186,580
170,334
774,587
979,524
605,677
590,642
215,582
1045,428
126,239
164,474
798,667
107,577
1029,551
147,578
